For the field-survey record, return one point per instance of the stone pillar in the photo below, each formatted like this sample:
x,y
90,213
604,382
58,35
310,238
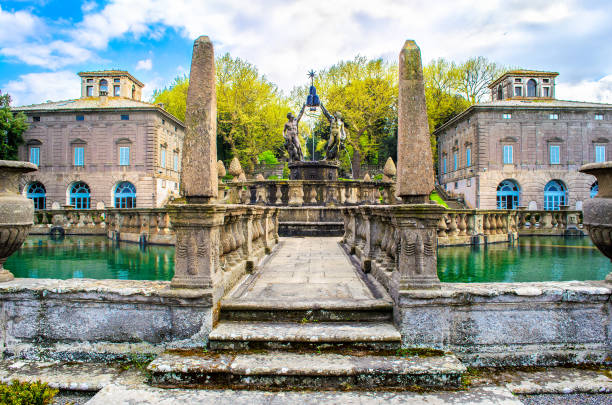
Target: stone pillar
x,y
197,228
417,261
199,164
296,193
415,175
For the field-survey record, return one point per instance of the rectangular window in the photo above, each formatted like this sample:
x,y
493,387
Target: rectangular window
x,y
455,161
116,80
79,156
163,158
37,119
546,80
125,117
124,156
555,152
507,116
176,162
80,118
598,117
35,155
518,91
545,91
600,153
89,80
553,116
517,80
508,158
468,157
444,165
89,91
116,91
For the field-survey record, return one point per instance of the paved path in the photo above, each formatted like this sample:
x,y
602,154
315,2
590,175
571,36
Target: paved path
x,y
307,269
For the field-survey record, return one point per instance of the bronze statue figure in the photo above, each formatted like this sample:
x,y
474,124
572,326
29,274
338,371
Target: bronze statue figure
x,y
336,135
292,139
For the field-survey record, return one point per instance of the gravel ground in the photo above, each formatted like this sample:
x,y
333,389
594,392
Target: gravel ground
x,y
73,397
567,399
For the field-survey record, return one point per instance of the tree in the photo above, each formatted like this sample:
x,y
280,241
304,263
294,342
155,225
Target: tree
x,y
12,127
475,74
251,110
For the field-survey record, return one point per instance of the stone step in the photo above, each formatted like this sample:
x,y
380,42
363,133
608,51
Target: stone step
x,y
303,370
374,310
230,335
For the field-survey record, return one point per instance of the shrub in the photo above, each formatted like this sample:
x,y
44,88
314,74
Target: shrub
x,y
378,177
267,157
35,393
286,171
273,177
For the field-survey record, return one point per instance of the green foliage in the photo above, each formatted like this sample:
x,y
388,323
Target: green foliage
x,y
35,393
251,111
272,177
286,171
12,127
267,157
435,197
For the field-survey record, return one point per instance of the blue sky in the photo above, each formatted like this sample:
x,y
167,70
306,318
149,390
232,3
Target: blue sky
x,y
43,44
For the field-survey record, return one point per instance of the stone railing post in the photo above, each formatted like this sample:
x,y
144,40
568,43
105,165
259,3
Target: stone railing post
x,y
417,262
296,193
368,248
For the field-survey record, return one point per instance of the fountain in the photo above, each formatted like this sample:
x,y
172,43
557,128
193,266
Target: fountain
x,y
16,211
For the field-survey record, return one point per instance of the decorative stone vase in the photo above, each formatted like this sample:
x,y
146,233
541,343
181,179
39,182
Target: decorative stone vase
x,y
16,211
598,211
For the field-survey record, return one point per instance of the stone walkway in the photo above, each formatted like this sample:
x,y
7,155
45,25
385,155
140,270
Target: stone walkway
x,y
309,269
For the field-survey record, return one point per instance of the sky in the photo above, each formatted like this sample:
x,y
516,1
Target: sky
x,y
44,43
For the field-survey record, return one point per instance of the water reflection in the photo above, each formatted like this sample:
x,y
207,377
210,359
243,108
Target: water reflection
x,y
534,258
90,257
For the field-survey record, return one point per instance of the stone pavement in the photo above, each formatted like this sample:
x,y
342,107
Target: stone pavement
x,y
312,269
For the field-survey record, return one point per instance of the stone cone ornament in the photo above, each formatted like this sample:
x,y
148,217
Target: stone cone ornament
x,y
221,169
16,211
259,177
235,169
242,177
367,177
389,170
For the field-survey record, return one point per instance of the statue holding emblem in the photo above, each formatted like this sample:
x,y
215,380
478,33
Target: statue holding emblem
x,y
337,133
291,135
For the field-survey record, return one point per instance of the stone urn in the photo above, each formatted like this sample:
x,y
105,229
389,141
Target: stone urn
x,y
597,211
16,211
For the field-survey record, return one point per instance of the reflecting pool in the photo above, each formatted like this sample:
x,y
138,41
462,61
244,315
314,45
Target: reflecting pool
x,y
531,258
90,257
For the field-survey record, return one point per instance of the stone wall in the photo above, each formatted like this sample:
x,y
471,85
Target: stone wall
x,y
511,324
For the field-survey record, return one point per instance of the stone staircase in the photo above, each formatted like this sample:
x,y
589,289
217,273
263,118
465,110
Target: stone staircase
x,y
300,346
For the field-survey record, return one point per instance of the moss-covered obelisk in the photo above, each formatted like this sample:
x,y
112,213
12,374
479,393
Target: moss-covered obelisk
x,y
415,175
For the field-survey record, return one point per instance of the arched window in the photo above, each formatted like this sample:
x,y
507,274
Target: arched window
x,y
500,93
508,194
104,86
79,195
125,195
594,189
531,88
555,194
37,193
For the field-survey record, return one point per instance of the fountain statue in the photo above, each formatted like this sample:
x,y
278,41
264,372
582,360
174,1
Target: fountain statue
x,y
16,211
291,135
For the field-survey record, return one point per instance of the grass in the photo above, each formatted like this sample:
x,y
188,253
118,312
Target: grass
x,y
435,197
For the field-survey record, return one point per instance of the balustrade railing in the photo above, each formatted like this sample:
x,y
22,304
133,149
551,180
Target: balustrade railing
x,y
297,193
549,222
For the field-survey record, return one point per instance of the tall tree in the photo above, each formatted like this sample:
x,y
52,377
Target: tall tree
x,y
475,74
251,110
12,127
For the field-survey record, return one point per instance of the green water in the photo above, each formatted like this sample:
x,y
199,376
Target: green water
x,y
90,257
534,258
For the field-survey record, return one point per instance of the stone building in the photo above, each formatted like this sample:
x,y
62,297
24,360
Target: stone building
x,y
524,148
105,149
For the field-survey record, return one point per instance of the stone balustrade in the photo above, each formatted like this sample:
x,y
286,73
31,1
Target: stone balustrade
x,y
140,225
467,227
79,222
550,222
298,193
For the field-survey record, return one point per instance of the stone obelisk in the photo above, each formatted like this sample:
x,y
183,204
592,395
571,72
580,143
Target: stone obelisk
x,y
199,164
196,223
415,175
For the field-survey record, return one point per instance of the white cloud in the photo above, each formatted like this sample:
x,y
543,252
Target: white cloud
x,y
88,6
52,55
17,26
145,64
34,88
586,90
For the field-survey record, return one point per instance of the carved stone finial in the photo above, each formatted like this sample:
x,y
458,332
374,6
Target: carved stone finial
x,y
242,177
221,169
235,169
367,177
259,177
389,170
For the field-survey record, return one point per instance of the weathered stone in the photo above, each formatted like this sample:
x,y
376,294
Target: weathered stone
x,y
389,170
242,177
367,177
235,168
415,176
221,169
259,177
199,165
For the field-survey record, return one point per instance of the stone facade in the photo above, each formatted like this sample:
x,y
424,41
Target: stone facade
x,y
103,141
529,141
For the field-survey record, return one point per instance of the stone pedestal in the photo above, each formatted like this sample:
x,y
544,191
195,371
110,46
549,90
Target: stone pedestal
x,y
321,170
197,228
417,261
